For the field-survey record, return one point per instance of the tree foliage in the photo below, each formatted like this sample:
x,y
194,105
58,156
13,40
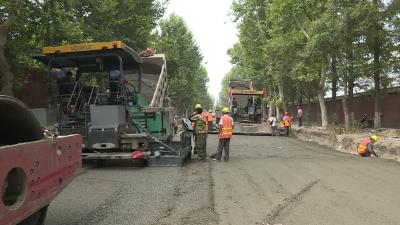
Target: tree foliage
x,y
55,22
188,78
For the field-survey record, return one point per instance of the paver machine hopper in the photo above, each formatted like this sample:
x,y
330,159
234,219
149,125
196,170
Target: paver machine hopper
x,y
117,100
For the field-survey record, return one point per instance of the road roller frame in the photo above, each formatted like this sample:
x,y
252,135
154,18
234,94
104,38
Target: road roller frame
x,y
34,166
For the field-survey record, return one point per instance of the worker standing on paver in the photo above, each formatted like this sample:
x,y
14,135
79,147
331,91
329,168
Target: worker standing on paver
x,y
210,119
199,120
366,148
225,127
175,124
287,123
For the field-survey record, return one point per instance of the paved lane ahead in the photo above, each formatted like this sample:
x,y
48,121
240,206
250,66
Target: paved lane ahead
x,y
285,181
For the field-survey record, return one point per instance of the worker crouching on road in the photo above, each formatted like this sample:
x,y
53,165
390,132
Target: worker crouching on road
x,y
199,120
287,123
366,148
225,127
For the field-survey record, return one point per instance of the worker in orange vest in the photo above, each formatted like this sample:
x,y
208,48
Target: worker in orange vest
x,y
225,127
199,120
366,148
210,119
287,123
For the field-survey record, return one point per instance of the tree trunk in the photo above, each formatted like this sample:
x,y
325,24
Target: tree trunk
x,y
350,99
281,100
347,121
348,81
270,108
377,83
321,97
334,87
309,106
6,77
377,80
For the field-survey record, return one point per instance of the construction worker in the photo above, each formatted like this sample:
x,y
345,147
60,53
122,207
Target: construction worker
x,y
366,148
272,123
199,120
300,116
287,123
225,127
218,115
210,119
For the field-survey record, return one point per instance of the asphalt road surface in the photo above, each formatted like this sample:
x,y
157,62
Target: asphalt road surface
x,y
269,180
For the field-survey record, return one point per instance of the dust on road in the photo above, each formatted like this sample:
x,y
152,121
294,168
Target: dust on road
x,y
269,180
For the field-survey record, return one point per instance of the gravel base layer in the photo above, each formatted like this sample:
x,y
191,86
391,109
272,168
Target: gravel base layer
x,y
268,180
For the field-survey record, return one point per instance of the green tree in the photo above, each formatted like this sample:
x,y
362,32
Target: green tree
x,y
292,45
54,22
187,77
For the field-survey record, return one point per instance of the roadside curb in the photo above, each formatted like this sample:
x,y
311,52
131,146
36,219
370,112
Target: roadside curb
x,y
345,142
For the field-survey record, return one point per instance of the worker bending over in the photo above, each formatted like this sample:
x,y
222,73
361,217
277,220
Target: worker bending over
x,y
366,148
199,120
225,127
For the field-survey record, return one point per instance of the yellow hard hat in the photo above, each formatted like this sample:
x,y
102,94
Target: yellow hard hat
x,y
210,110
198,106
374,138
225,110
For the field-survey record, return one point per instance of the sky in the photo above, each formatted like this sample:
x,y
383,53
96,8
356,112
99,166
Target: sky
x,y
213,31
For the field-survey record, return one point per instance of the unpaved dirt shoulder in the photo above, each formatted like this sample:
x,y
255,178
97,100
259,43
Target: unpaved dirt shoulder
x,y
193,201
388,146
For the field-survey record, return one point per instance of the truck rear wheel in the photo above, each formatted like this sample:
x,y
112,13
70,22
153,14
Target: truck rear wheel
x,y
37,218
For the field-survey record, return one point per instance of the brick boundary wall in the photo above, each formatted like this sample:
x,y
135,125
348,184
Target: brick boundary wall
x,y
390,104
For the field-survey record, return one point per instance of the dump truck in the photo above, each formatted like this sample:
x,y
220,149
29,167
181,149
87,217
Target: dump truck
x,y
246,108
117,100
35,164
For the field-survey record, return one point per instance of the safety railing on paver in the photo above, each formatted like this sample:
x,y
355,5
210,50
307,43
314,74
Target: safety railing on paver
x,y
161,88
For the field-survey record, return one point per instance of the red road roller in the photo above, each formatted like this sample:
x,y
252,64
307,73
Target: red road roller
x,y
35,164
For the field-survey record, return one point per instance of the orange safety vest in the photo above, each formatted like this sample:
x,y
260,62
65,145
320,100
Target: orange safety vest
x,y
210,117
204,116
227,126
363,146
287,122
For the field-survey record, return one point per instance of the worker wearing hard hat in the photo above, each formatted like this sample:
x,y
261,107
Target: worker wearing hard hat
x,y
199,119
210,119
287,123
225,127
366,148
